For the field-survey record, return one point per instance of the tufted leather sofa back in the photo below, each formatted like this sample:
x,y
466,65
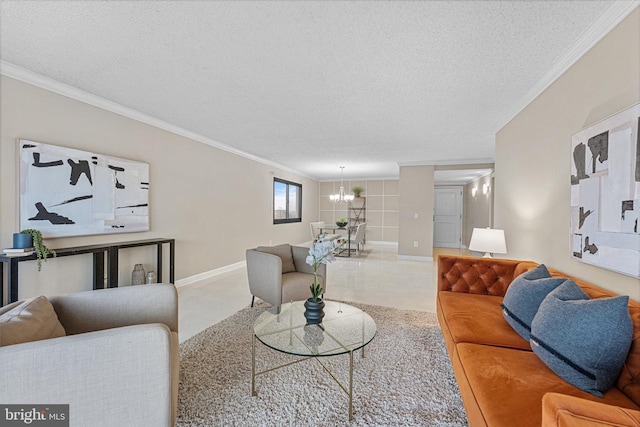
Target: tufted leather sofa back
x,y
487,276
492,276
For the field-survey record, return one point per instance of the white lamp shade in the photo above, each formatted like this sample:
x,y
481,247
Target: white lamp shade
x,y
488,240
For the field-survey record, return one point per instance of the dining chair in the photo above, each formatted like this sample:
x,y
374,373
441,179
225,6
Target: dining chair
x,y
357,239
320,225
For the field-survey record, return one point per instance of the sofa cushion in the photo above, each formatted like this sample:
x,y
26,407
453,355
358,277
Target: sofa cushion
x,y
508,383
629,379
32,320
295,286
585,341
285,254
523,297
560,410
9,307
476,319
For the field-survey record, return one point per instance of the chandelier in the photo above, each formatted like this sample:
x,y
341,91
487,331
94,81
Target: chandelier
x,y
341,197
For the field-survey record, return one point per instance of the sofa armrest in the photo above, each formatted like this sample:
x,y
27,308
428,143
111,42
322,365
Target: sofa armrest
x,y
560,410
488,276
115,307
115,377
264,272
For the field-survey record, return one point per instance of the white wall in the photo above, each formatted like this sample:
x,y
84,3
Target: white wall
x,y
532,176
416,197
478,208
214,203
382,206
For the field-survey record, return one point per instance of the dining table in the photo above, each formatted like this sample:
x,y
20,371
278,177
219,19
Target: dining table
x,y
334,229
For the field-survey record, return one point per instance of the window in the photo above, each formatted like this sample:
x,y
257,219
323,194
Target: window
x,y
287,201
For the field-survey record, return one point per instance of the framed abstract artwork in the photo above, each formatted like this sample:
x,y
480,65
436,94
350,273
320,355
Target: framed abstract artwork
x,y
69,192
605,193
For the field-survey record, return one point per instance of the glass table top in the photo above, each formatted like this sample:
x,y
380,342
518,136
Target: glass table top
x,y
344,328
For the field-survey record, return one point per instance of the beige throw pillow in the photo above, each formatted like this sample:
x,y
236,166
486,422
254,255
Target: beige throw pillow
x,y
285,254
33,320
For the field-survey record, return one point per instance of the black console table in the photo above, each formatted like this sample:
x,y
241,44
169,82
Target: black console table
x,y
110,250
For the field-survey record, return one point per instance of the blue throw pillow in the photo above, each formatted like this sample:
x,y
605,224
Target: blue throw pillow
x,y
523,297
585,341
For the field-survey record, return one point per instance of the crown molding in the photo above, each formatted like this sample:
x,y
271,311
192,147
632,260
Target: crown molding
x,y
364,178
18,73
465,162
607,22
462,183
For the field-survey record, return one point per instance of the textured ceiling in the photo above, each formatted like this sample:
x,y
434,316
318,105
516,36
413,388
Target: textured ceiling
x,y
308,85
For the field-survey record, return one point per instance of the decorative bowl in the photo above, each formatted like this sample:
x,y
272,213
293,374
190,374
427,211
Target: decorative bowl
x,y
341,223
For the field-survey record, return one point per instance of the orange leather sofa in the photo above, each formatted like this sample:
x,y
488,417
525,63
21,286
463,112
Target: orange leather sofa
x,y
503,382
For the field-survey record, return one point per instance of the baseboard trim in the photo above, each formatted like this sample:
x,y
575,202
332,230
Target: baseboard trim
x,y
381,243
242,264
217,272
415,258
209,274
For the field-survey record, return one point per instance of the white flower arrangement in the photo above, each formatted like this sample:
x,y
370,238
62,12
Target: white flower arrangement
x,y
321,252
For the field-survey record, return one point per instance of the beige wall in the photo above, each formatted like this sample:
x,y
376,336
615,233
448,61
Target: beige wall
x,y
477,209
533,154
382,207
416,197
214,203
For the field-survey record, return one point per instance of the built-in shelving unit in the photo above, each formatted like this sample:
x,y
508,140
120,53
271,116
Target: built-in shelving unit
x,y
357,211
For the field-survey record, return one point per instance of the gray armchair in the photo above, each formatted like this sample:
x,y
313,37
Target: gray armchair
x,y
117,365
280,274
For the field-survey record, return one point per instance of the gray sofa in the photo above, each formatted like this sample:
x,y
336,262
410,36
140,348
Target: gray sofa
x,y
116,364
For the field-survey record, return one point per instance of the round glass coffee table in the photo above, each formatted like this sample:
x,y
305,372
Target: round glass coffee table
x,y
344,329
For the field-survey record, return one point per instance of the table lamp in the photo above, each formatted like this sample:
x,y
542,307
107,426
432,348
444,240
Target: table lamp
x,y
488,240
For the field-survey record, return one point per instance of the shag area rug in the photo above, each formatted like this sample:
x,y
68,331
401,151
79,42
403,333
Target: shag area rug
x,y
405,378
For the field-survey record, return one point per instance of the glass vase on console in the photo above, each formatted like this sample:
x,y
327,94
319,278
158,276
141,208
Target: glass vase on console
x,y
152,277
138,275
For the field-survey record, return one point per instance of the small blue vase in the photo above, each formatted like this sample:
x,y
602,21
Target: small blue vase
x,y
21,241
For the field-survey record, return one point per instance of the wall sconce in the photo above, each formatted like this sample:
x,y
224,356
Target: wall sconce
x,y
474,191
485,188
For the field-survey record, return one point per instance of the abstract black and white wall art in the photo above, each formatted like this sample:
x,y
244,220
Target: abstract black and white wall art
x,y
68,192
605,193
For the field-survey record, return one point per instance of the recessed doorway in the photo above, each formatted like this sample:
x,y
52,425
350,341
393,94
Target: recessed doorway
x,y
447,217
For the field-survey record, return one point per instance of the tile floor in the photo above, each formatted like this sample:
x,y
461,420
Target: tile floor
x,y
378,278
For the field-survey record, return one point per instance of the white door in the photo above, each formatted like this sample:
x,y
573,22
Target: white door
x,y
447,217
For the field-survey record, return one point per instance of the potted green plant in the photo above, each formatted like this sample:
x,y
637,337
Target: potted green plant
x,y
341,222
357,191
42,251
